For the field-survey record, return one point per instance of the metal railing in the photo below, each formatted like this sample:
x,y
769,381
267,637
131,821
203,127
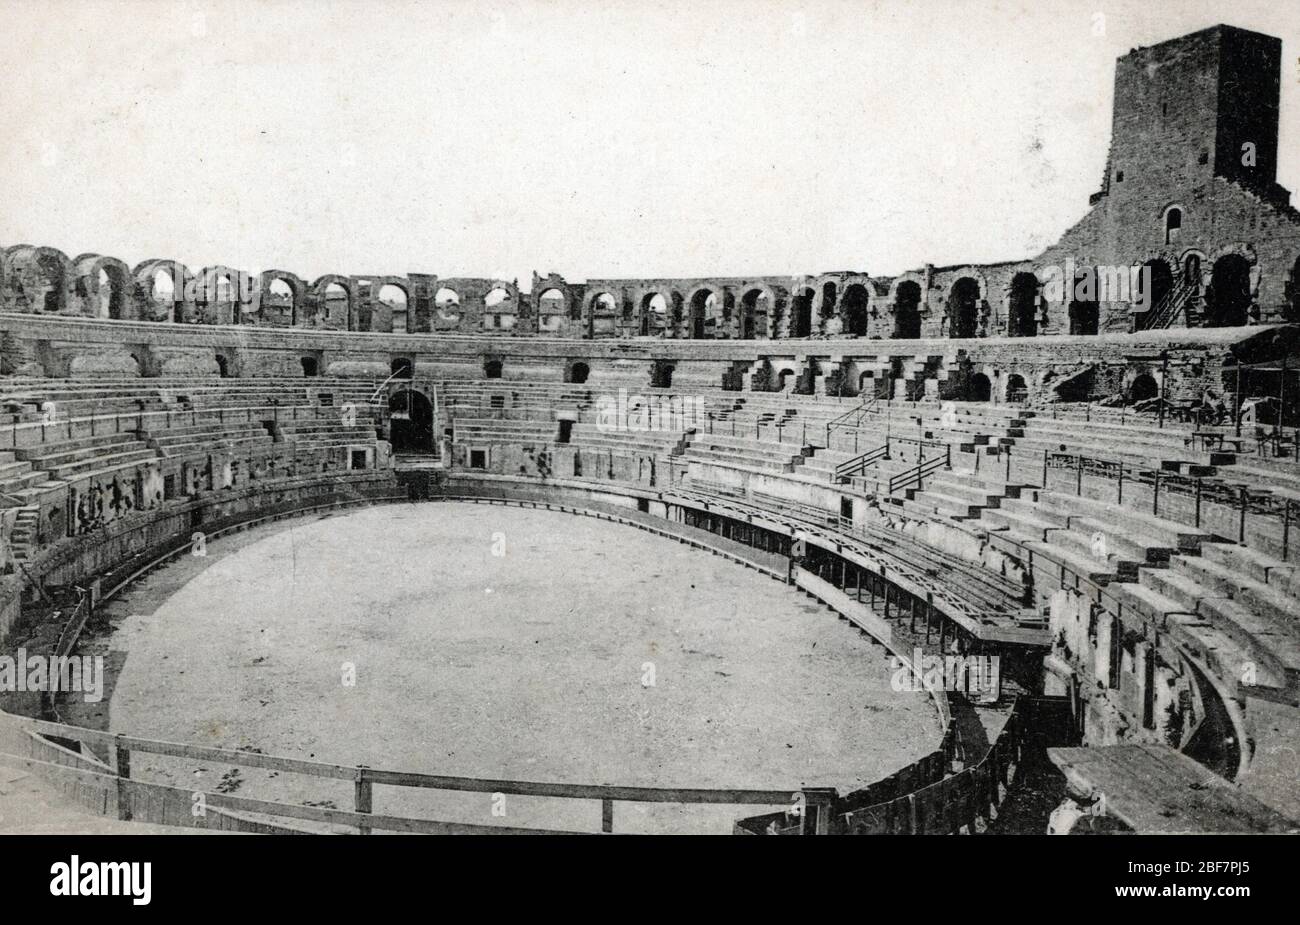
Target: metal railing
x,y
852,467
916,475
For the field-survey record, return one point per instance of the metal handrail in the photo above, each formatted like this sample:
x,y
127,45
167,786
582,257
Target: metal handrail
x,y
920,470
857,464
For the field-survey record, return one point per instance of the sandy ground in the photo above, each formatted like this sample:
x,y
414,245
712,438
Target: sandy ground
x,y
530,665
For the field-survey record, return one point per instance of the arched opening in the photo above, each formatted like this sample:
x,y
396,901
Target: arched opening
x,y
1154,285
754,306
1142,388
661,375
410,427
223,367
338,307
402,368
310,366
550,309
492,369
963,308
111,295
446,303
496,313
654,314
1173,225
907,311
980,388
50,292
830,296
855,309
277,303
801,313
785,379
395,298
1084,310
1227,304
1023,310
604,314
163,295
578,373
1016,389
703,305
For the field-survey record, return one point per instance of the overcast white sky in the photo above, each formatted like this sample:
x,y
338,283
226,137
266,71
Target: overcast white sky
x,y
619,138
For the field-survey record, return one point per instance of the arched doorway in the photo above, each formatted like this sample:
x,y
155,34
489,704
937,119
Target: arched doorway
x,y
1016,389
492,369
830,294
854,308
310,366
1161,280
410,427
578,373
801,314
703,305
395,298
907,311
963,308
1023,311
753,314
1143,387
1085,312
1227,304
401,368
654,314
980,389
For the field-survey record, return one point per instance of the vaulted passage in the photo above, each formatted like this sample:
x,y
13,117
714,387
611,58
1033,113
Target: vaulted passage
x,y
907,311
854,308
963,308
1227,303
411,422
1023,309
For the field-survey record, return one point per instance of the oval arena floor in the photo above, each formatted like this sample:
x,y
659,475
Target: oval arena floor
x,y
531,665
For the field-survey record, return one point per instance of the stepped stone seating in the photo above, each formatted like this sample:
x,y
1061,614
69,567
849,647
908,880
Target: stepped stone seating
x,y
83,456
659,442
489,430
725,450
179,441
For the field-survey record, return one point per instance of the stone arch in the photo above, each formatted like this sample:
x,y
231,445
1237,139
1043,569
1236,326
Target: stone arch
x,y
855,307
40,279
577,372
979,388
757,304
218,296
1022,305
705,306
105,286
964,298
1230,296
1016,388
655,308
274,308
391,301
336,298
553,306
1083,309
1141,386
801,311
172,303
1172,218
906,308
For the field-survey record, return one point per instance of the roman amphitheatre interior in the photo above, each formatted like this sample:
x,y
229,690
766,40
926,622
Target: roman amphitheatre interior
x,y
972,548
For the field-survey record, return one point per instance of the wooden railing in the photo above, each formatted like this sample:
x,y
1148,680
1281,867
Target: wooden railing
x,y
142,800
